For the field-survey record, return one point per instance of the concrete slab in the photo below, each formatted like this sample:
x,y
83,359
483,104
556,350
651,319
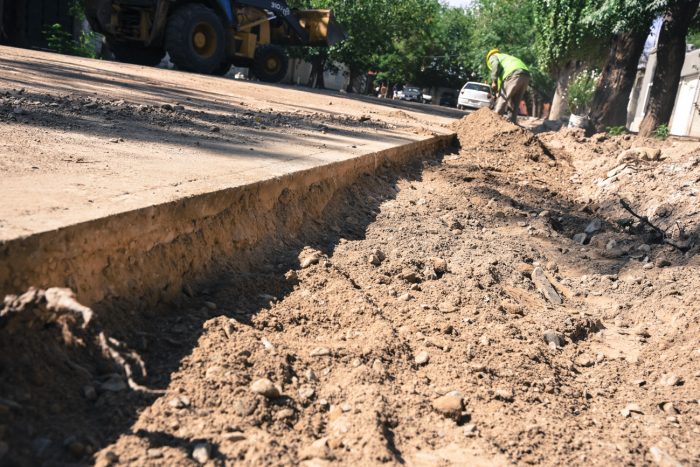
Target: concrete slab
x,y
82,139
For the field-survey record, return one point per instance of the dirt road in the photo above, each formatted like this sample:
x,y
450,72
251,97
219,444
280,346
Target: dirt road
x,y
82,139
491,306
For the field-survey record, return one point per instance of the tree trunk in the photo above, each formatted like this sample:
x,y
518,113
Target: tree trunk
x,y
559,105
670,54
351,82
609,107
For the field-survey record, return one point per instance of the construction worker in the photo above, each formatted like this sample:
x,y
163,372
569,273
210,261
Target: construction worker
x,y
510,78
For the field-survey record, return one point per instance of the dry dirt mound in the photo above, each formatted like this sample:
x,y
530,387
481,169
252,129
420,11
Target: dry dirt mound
x,y
486,130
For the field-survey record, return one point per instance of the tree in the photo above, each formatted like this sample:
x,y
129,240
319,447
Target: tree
x,y
625,24
670,55
563,44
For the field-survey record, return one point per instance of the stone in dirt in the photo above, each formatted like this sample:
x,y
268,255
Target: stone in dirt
x,y
308,258
630,409
544,286
580,238
554,338
662,458
422,358
505,395
670,379
201,452
115,383
154,453
319,449
266,388
449,405
320,352
594,226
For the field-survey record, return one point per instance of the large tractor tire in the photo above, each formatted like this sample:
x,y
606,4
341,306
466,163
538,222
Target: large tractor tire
x,y
222,69
270,63
195,39
136,54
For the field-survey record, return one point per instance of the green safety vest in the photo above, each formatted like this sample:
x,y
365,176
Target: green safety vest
x,y
508,65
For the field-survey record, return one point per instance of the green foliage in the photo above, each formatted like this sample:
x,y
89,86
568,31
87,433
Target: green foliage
x,y
661,132
617,130
580,93
63,42
563,35
76,9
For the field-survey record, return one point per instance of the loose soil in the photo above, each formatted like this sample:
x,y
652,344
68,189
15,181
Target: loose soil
x,y
437,314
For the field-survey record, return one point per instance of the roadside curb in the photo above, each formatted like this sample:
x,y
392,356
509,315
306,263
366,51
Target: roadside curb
x,y
148,255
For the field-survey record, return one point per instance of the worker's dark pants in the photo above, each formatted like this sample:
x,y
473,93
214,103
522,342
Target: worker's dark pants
x,y
512,93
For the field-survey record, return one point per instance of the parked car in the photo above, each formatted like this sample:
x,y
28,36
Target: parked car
x,y
448,99
427,97
475,96
411,93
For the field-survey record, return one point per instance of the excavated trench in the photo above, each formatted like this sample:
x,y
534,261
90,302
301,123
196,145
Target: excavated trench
x,y
426,307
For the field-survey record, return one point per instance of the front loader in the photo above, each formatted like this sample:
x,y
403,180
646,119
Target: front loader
x,y
208,36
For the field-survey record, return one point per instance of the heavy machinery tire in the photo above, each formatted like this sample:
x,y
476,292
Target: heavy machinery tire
x,y
136,54
195,39
222,69
270,63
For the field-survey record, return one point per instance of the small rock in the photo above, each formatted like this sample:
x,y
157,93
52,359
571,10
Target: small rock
x,y
630,409
449,405
345,407
320,352
291,276
669,408
319,449
422,358
374,260
662,263
201,452
310,261
484,340
211,305
584,361
470,430
115,383
266,388
410,276
405,297
154,453
310,375
446,307
580,238
179,402
215,129
439,265
306,392
670,379
662,458
594,226
506,395
230,328
611,245
644,248
554,338
284,414
167,107
544,286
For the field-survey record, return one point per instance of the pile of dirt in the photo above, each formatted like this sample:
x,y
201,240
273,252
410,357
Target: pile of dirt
x,y
437,314
487,131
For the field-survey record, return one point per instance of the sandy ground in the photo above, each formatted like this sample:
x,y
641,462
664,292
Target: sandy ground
x,y
492,306
81,139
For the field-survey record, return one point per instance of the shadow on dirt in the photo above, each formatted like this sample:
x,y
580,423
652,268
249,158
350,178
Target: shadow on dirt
x,y
43,380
